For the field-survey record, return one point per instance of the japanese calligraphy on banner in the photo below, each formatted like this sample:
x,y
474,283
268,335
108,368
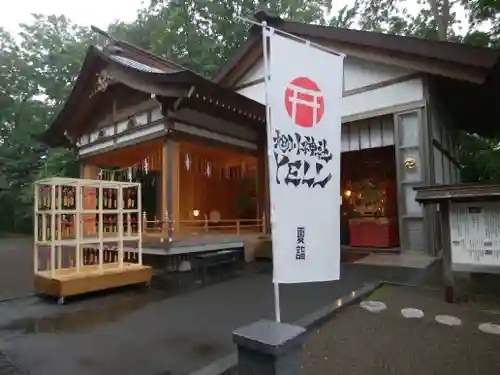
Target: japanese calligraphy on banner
x,y
475,234
304,93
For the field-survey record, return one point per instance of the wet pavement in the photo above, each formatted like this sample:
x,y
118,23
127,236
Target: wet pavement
x,y
174,328
16,267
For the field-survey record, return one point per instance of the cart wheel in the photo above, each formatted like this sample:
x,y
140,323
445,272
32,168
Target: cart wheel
x,y
60,301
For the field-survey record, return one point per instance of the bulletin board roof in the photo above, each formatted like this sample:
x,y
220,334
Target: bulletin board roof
x,y
457,192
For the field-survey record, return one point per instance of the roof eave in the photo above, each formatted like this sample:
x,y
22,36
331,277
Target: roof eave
x,y
239,55
477,58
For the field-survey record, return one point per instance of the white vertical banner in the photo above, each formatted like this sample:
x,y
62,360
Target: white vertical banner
x,y
303,93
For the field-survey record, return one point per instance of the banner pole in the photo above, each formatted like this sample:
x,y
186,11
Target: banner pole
x,y
277,311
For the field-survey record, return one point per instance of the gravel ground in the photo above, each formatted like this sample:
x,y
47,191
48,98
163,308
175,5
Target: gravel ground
x,y
359,342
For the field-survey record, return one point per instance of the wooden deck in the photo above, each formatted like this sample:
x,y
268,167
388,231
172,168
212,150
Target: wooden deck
x,y
187,245
193,236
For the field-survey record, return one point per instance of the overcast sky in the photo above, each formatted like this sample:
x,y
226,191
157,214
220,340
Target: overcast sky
x,y
87,12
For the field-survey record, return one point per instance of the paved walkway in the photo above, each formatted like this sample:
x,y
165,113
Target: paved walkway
x,y
158,331
172,329
16,267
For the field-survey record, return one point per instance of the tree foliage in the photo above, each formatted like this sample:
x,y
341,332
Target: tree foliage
x,y
482,13
38,68
202,34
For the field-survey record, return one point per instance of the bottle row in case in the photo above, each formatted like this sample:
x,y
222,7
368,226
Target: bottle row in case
x,y
90,257
110,223
67,200
68,228
110,199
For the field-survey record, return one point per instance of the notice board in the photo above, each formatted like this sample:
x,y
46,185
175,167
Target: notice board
x,y
475,236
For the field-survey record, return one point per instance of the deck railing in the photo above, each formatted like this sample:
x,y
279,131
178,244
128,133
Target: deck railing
x,y
202,227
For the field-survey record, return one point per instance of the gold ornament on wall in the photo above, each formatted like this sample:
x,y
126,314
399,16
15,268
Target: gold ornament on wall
x,y
410,163
102,82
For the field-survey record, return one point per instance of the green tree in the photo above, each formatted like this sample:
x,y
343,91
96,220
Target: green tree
x,y
37,71
482,12
39,67
202,34
430,19
436,19
480,158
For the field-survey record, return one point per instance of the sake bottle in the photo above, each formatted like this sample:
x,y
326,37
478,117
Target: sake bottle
x,y
65,198
129,199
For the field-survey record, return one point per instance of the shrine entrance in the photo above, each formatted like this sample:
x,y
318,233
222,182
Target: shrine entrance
x,y
214,188
218,191
369,214
138,163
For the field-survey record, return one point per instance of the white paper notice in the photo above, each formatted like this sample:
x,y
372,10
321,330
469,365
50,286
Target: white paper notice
x,y
475,233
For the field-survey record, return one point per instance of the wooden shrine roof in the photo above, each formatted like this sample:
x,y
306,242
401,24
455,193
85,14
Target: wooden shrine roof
x,y
472,100
121,67
455,54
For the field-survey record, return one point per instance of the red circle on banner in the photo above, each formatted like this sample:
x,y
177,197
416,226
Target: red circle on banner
x,y
304,102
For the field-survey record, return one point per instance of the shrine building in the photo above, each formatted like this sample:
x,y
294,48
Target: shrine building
x,y
199,145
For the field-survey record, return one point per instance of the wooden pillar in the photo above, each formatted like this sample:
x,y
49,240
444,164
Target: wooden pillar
x,y
176,189
170,184
164,177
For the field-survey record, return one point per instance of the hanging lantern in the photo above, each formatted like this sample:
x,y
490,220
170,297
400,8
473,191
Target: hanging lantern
x,y
146,166
129,174
100,174
187,162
